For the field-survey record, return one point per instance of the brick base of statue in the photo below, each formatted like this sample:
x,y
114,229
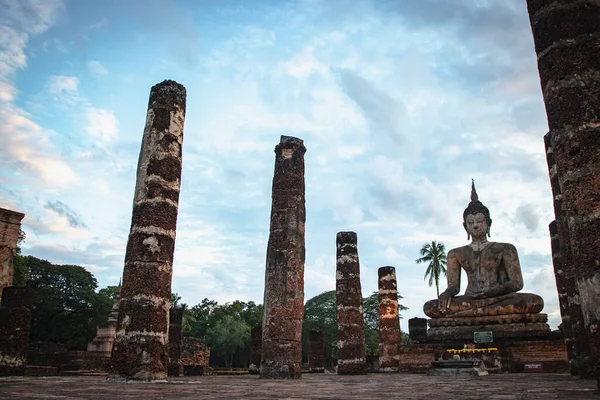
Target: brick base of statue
x,y
502,355
502,326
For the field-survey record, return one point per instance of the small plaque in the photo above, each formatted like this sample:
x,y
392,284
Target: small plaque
x,y
533,367
483,337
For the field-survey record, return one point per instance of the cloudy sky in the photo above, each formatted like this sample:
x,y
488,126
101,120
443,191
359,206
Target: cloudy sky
x,y
400,104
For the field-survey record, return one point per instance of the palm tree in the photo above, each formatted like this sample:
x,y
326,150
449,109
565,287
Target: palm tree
x,y
435,254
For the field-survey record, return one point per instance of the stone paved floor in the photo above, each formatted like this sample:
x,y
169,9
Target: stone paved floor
x,y
311,386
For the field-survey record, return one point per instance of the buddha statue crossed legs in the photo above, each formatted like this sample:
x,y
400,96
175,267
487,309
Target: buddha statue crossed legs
x,y
494,280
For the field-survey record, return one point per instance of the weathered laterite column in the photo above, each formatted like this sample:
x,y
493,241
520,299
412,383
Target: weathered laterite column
x,y
567,38
15,321
10,226
316,351
255,349
175,367
562,262
284,274
389,322
351,334
141,346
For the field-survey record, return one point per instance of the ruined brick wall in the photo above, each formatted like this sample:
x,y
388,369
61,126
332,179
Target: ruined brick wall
x,y
351,334
140,350
284,272
175,364
417,358
389,322
567,37
15,322
10,226
194,352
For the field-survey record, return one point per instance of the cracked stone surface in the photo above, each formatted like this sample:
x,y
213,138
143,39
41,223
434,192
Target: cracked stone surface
x,y
311,386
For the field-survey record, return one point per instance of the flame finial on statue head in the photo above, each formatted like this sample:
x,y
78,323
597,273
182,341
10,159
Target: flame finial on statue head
x,y
474,196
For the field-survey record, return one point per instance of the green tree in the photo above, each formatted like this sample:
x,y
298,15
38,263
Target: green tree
x,y
66,308
227,336
320,313
204,317
435,254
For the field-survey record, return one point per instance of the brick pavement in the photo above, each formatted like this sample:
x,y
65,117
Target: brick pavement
x,y
311,386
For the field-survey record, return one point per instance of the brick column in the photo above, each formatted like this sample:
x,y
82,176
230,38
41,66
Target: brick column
x,y
316,351
389,322
15,322
175,365
351,334
284,273
567,37
255,349
10,226
141,347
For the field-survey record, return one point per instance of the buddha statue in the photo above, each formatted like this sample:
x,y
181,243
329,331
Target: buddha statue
x,y
494,280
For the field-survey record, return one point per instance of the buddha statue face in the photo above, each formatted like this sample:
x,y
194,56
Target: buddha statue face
x,y
477,226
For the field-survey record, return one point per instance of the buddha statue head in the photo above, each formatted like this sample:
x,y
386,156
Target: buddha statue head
x,y
476,216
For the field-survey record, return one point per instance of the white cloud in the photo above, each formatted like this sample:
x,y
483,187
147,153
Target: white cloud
x,y
64,89
101,124
96,68
26,148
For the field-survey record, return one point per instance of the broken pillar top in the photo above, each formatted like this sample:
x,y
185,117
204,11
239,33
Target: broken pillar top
x,y
383,271
346,237
290,142
10,216
168,92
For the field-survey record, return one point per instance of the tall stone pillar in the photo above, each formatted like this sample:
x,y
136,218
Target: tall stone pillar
x,y
351,333
255,350
15,322
567,37
284,274
10,226
316,351
572,319
389,321
141,346
175,367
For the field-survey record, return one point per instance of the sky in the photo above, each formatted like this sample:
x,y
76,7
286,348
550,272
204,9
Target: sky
x,y
400,104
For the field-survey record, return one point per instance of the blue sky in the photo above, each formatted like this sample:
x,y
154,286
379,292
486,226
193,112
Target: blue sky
x,y
400,104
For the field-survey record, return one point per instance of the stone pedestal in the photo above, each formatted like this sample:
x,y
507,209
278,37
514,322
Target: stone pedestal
x,y
316,351
501,326
10,226
351,334
284,280
15,322
389,322
140,350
